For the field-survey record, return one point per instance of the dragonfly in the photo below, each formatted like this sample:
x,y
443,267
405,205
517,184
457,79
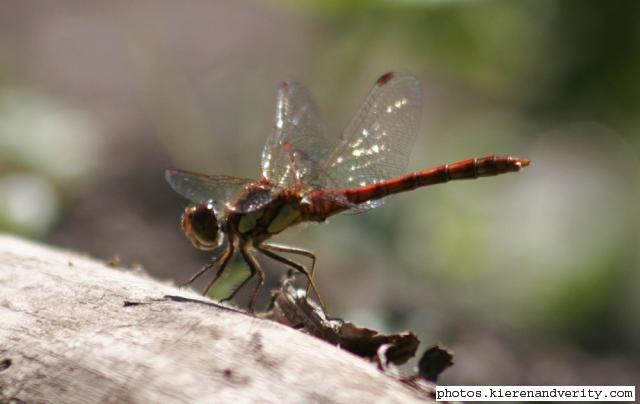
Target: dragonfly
x,y
308,178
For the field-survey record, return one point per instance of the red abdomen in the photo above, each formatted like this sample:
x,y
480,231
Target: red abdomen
x,y
466,169
461,170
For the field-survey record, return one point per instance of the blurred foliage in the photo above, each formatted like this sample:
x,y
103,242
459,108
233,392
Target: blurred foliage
x,y
549,57
46,152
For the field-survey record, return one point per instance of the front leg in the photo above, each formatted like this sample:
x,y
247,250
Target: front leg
x,y
225,258
204,269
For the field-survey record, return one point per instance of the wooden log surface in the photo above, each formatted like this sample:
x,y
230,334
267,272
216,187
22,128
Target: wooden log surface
x,y
74,330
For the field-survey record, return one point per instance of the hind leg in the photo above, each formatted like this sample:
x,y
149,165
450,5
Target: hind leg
x,y
297,251
266,250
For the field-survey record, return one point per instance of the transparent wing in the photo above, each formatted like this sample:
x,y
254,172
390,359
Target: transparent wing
x,y
377,143
297,143
221,190
253,198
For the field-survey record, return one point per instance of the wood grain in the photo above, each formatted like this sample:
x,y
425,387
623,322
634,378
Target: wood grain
x,y
74,330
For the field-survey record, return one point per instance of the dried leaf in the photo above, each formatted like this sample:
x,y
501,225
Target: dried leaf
x,y
291,307
434,361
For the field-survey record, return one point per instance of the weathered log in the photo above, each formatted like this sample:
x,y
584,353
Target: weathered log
x,y
74,330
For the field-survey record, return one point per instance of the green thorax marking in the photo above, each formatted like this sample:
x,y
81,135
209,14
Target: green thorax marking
x,y
248,221
288,214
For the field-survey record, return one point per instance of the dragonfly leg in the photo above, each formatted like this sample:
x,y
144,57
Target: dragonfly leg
x,y
204,269
224,259
297,251
265,249
200,272
254,267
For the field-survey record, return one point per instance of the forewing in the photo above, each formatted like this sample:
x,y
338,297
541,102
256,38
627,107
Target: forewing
x,y
254,198
297,143
377,143
217,189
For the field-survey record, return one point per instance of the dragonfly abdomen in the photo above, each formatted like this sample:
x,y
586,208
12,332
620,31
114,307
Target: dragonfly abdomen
x,y
461,170
483,167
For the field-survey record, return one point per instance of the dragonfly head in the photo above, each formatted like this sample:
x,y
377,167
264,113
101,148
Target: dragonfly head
x,y
200,225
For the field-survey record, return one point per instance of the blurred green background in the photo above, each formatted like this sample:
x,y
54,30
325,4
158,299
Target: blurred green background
x,y
530,278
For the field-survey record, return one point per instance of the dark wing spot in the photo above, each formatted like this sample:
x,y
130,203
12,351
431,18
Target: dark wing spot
x,y
384,79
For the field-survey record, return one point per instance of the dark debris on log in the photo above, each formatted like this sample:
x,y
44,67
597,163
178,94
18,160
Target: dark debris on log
x,y
290,306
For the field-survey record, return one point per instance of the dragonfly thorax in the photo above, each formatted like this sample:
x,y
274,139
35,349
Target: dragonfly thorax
x,y
200,225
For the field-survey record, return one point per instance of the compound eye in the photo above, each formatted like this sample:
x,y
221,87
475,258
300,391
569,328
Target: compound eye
x,y
200,225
